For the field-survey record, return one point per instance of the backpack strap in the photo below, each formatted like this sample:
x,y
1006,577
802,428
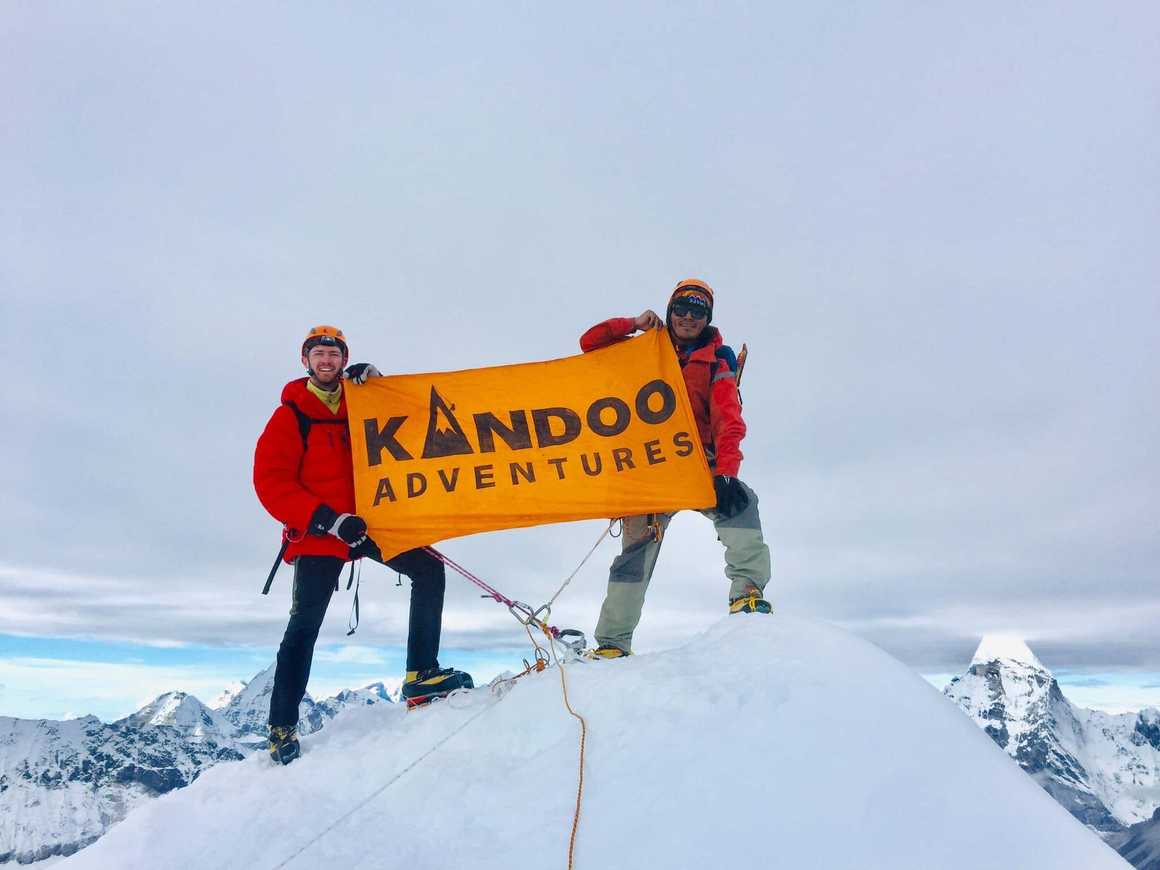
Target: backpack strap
x,y
277,562
304,423
732,366
726,356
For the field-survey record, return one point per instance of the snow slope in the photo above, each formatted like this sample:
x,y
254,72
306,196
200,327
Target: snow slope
x,y
766,742
63,784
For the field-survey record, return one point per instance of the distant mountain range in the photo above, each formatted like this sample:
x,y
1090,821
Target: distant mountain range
x,y
64,783
1103,768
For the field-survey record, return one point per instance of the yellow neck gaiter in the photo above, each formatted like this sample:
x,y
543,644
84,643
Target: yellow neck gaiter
x,y
331,399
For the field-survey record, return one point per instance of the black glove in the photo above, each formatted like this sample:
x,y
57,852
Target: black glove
x,y
348,528
359,372
368,549
731,497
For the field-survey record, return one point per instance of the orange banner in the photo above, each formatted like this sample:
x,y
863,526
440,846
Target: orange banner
x,y
603,434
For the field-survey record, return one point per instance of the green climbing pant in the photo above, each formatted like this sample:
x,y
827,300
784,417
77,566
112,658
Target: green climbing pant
x,y
746,564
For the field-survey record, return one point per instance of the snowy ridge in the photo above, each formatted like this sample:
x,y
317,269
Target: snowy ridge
x,y
1104,768
248,708
227,694
64,784
183,713
804,746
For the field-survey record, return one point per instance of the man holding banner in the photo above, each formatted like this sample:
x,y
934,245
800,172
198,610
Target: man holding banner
x,y
303,476
605,434
709,368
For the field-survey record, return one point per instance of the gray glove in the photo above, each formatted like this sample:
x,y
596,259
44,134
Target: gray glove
x,y
348,528
359,372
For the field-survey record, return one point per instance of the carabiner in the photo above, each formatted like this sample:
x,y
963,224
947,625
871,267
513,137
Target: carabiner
x,y
542,621
522,612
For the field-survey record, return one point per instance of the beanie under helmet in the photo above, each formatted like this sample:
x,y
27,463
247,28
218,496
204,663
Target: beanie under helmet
x,y
691,289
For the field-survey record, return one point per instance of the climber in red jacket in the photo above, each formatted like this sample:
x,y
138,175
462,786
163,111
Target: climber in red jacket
x,y
709,367
304,476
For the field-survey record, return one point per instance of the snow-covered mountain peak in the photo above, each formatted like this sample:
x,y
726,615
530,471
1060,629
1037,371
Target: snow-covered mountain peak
x,y
183,712
1104,768
1008,690
258,688
663,775
373,694
227,694
248,709
1005,647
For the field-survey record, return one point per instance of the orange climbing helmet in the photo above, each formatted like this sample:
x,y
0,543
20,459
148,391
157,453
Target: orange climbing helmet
x,y
325,335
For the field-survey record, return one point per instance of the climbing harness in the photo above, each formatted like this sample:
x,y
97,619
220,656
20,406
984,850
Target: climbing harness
x,y
352,620
277,563
654,527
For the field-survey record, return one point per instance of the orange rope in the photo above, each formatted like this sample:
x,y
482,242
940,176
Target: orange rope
x,y
541,655
583,740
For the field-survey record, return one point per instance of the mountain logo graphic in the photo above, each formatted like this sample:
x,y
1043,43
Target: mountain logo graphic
x,y
445,436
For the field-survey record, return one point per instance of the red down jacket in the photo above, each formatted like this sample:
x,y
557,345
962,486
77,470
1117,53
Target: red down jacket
x,y
293,479
710,383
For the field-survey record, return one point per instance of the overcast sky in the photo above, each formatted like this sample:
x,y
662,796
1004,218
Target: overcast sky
x,y
934,225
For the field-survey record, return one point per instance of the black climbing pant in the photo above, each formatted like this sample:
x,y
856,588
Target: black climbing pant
x,y
315,579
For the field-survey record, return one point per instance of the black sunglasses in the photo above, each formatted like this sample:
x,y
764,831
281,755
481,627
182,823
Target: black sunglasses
x,y
684,309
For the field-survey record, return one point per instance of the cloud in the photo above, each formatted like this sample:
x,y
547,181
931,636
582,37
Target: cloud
x,y
51,688
36,686
1113,696
351,654
950,403
1063,633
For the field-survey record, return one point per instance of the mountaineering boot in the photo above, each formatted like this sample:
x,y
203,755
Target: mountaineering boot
x,y
284,746
750,602
605,651
422,687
